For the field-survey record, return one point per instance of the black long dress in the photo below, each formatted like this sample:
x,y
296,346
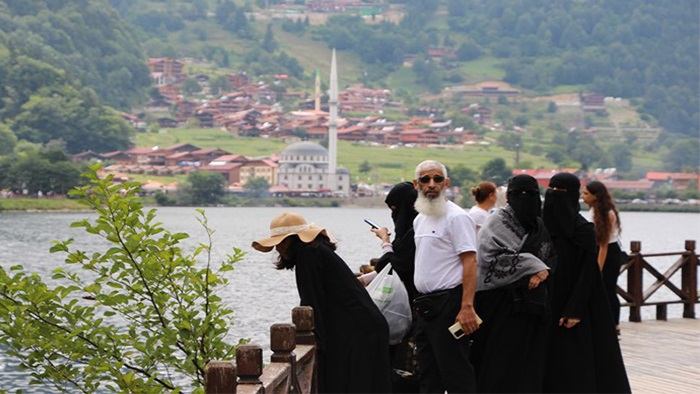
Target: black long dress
x,y
351,332
585,358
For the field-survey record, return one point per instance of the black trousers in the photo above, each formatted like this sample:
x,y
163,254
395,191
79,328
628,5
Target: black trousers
x,y
611,271
443,361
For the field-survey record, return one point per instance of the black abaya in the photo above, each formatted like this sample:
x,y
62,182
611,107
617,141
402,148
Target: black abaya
x,y
351,332
586,357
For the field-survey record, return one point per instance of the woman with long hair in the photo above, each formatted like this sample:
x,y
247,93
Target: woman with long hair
x,y
606,220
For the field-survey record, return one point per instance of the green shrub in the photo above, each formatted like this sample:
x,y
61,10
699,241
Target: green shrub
x,y
134,316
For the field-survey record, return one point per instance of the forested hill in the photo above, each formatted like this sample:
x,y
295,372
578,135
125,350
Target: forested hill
x,y
642,49
62,59
645,49
634,48
59,62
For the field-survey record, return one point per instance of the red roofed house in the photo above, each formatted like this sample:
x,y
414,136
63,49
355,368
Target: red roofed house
x,y
541,175
677,180
419,136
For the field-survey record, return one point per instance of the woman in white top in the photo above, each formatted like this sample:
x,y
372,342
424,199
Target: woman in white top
x,y
606,219
485,196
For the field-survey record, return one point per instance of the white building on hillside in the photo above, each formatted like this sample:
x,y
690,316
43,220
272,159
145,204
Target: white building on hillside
x,y
303,167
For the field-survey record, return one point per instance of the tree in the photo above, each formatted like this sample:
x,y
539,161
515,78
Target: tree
x,y
621,155
462,176
683,154
135,314
8,140
496,171
220,84
257,186
365,167
269,43
469,50
203,188
191,86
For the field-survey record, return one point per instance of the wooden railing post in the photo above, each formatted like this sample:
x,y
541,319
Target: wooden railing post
x,y
689,282
249,363
303,319
634,282
220,377
282,343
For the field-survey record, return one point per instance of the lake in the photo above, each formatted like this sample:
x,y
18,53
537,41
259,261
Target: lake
x,y
259,294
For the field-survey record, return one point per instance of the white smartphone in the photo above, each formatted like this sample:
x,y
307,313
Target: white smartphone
x,y
456,330
371,223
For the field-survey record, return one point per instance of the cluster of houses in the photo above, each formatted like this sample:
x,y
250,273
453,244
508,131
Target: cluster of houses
x,y
253,110
301,169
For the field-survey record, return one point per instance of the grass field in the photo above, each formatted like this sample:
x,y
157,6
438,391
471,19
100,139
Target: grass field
x,y
388,165
39,204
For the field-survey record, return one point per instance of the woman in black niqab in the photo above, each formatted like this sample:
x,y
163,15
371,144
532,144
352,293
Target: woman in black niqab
x,y
584,354
515,256
400,200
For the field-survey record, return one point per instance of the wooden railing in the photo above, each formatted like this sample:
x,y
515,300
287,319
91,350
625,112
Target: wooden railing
x,y
636,296
292,367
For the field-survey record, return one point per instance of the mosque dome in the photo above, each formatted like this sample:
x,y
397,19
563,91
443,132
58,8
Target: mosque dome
x,y
304,148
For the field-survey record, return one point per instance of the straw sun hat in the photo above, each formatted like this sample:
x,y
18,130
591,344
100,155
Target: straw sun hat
x,y
286,224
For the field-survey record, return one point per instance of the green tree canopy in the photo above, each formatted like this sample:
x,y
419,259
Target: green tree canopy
x,y
257,186
496,171
203,188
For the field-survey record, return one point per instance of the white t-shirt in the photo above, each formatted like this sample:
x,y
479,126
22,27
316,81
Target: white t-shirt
x,y
478,215
439,242
614,232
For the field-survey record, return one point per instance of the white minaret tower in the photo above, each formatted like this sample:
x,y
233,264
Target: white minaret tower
x,y
317,92
333,127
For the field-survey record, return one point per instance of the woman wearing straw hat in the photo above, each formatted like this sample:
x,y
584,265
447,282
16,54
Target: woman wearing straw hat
x,y
351,333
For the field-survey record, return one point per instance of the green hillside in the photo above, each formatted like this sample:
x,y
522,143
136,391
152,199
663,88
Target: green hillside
x,y
601,48
68,68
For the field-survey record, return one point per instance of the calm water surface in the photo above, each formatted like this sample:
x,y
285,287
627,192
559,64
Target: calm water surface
x,y
259,294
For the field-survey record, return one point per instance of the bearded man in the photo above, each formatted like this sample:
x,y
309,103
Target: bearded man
x,y
445,277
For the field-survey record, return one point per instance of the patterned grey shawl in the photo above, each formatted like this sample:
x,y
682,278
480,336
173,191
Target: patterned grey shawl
x,y
501,260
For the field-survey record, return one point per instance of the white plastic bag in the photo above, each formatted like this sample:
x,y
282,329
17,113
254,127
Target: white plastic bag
x,y
389,294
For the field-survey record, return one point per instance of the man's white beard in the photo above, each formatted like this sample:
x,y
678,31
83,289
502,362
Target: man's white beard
x,y
435,207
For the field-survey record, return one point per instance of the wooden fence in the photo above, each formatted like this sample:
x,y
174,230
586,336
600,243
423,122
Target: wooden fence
x,y
291,369
636,295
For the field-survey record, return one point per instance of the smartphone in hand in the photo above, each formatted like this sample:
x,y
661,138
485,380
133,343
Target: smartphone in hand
x,y
371,223
456,330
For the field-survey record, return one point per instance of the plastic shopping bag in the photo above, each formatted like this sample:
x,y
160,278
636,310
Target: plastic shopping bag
x,y
389,294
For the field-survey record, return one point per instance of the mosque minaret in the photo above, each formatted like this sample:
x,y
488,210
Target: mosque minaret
x,y
333,126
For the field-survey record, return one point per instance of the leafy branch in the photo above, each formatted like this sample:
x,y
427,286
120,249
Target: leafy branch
x,y
137,314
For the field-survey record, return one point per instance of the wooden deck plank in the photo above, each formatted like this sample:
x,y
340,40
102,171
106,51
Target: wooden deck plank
x,y
662,356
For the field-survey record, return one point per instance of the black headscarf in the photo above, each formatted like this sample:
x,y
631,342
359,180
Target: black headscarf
x,y
402,197
561,206
523,196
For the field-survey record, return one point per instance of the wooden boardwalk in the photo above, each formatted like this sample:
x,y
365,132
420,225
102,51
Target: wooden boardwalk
x,y
662,356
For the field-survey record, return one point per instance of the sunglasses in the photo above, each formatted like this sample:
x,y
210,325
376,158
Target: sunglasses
x,y
426,179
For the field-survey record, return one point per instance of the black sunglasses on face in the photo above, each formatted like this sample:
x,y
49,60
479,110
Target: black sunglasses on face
x,y
426,179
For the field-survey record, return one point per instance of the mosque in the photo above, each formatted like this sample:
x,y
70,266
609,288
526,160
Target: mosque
x,y
307,166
